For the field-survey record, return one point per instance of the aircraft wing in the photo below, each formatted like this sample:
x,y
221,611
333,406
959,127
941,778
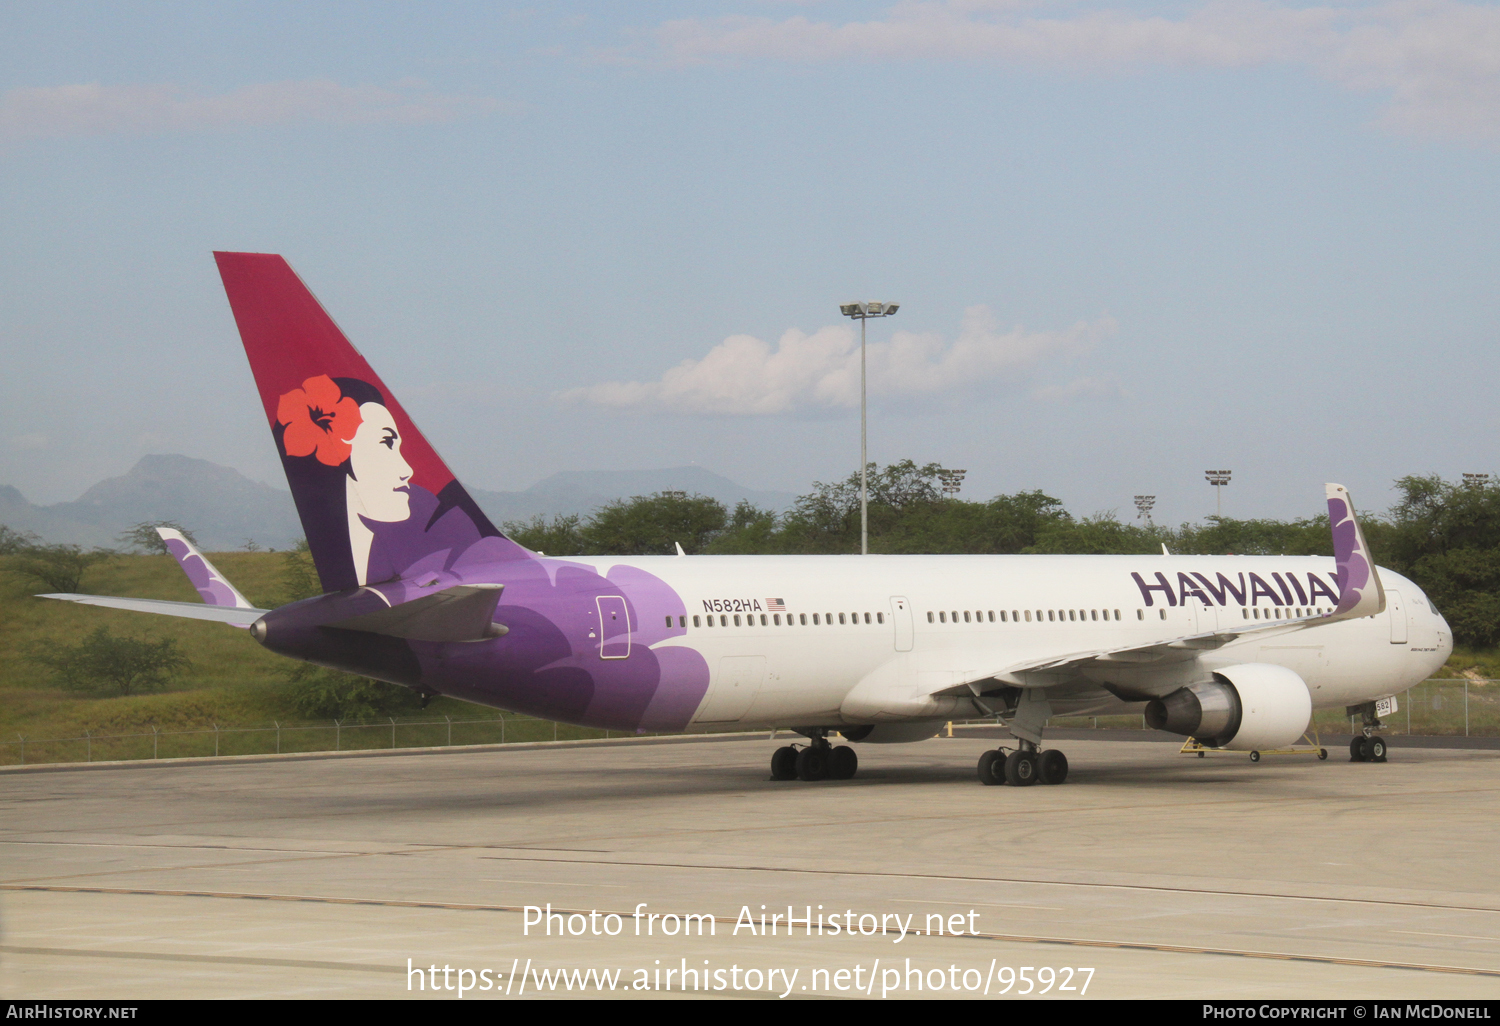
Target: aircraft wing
x,y
1360,594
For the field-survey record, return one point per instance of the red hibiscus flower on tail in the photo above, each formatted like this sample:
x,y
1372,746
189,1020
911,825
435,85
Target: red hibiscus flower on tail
x,y
319,419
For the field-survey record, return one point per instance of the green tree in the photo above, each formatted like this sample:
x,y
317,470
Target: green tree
x,y
560,536
1446,537
143,537
653,525
321,694
13,542
750,530
299,576
58,568
103,663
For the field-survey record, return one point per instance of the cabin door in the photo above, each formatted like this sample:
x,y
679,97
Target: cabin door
x,y
901,619
614,627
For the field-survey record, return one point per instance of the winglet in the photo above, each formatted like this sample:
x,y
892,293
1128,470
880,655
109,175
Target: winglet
x,y
212,585
1360,592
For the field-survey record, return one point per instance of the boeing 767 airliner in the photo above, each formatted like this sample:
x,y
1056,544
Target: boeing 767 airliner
x,y
420,589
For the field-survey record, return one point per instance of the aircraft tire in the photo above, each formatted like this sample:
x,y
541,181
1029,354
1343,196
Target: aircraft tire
x,y
1376,749
1020,769
784,763
1357,749
1052,767
812,764
842,763
989,763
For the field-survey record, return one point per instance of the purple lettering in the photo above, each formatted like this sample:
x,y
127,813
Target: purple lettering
x,y
1297,587
1259,587
1315,585
1286,592
1187,587
1225,587
1147,589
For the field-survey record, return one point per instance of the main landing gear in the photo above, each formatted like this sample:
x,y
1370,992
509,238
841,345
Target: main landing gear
x,y
818,760
1367,746
1023,767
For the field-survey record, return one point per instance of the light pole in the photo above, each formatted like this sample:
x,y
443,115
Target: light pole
x,y
953,482
863,312
1218,478
1144,505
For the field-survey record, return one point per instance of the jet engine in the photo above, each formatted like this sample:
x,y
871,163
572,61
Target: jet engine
x,y
1249,707
892,733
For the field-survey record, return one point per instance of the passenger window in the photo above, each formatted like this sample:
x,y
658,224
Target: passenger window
x,y
1246,612
1072,614
1015,616
723,621
880,618
1163,614
696,622
1002,616
867,618
1140,614
828,619
966,616
762,619
776,619
1117,614
955,616
815,619
1028,616
943,616
1051,615
929,616
736,619
841,618
802,619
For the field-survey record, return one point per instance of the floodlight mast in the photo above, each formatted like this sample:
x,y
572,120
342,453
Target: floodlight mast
x,y
1144,504
1218,478
863,312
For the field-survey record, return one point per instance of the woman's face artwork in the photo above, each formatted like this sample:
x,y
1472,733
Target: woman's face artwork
x,y
379,486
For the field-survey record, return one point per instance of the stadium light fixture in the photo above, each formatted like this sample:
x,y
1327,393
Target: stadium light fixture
x,y
863,312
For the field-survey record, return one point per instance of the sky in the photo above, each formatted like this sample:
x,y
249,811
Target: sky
x,y
1130,242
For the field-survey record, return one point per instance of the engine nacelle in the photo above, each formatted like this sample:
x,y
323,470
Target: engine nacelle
x,y
892,733
1249,707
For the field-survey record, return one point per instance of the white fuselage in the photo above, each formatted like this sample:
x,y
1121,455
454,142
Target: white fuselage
x,y
931,622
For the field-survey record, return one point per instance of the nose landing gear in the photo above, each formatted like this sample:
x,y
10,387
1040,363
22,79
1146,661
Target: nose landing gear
x,y
1367,746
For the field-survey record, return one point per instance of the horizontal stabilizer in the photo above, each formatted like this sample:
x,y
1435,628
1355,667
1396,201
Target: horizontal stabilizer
x,y
465,612
238,616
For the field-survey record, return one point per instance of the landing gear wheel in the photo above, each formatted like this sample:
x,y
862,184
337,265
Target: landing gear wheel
x,y
1020,769
1052,767
842,762
1322,755
812,764
1358,749
784,763
992,768
1255,757
1375,749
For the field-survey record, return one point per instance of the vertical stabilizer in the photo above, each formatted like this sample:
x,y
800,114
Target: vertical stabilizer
x,y
375,499
1360,592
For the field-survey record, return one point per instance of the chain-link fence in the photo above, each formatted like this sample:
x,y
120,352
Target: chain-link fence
x,y
1455,707
286,737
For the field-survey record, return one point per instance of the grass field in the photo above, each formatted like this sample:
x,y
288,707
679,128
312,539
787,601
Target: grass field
x,y
234,683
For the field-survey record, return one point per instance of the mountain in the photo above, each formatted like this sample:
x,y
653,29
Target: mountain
x,y
580,491
224,508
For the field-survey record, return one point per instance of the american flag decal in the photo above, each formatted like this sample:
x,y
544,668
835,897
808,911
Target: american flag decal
x,y
775,605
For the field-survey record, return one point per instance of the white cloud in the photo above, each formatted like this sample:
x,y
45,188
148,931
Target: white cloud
x,y
1438,61
94,109
744,375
